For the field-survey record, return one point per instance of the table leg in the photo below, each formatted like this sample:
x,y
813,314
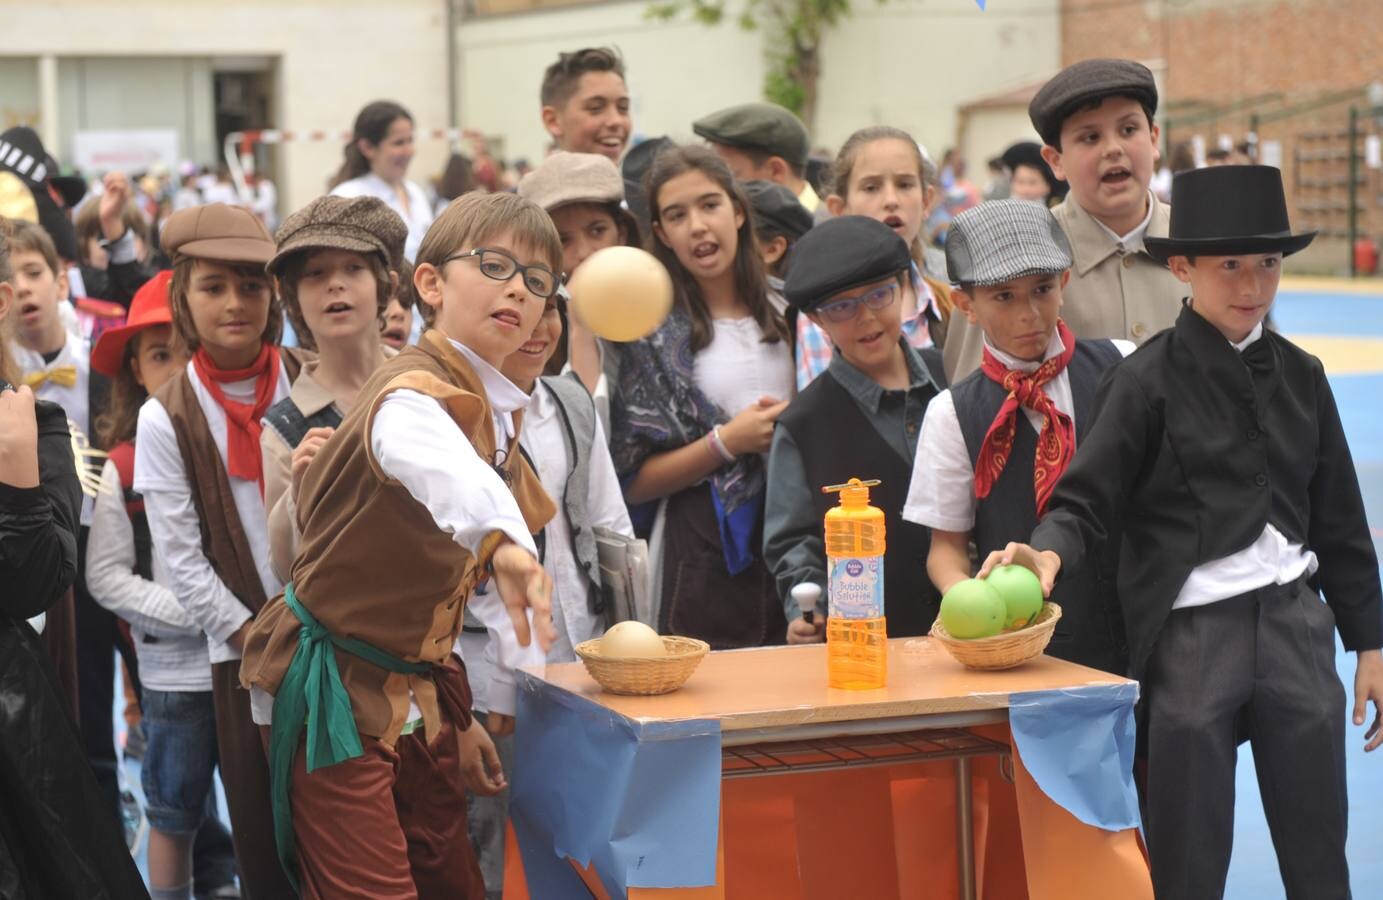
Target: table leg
x,y
965,845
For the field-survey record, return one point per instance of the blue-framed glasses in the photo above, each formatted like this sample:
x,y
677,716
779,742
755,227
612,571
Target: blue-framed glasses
x,y
845,310
500,266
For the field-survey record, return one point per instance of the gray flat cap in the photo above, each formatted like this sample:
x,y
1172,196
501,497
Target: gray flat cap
x,y
765,127
1085,82
1002,240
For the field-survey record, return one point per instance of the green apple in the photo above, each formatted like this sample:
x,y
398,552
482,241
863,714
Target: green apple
x,y
972,609
1021,593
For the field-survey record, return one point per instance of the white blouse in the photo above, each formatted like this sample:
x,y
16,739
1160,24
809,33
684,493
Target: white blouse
x,y
737,367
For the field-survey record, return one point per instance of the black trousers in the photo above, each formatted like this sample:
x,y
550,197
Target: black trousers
x,y
1267,660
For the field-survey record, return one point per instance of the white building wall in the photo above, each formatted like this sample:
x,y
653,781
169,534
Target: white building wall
x,y
908,62
333,57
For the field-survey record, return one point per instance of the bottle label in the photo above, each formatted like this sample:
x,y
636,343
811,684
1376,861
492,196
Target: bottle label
x,y
857,587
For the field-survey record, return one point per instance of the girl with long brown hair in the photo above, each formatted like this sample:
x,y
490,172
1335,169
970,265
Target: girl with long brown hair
x,y
695,405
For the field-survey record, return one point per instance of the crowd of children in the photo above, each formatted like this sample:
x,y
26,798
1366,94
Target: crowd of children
x,y
323,564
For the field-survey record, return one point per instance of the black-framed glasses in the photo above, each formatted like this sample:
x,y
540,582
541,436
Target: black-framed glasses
x,y
845,310
500,266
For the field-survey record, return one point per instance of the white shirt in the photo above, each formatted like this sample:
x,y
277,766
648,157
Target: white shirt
x,y
418,216
737,367
74,400
1133,241
176,657
419,445
1271,559
942,491
544,437
173,520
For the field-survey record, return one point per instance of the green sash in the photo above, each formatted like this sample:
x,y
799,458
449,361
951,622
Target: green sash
x,y
312,695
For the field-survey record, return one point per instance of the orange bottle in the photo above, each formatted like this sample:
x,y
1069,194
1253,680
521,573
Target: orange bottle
x,y
856,630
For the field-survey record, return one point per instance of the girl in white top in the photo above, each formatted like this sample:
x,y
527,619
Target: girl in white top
x,y
376,165
694,409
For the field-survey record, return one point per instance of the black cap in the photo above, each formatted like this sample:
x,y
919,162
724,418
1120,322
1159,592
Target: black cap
x,y
765,127
839,254
636,164
1029,153
1086,82
777,210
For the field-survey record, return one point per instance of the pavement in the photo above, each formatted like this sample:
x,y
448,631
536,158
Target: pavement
x,y
1342,323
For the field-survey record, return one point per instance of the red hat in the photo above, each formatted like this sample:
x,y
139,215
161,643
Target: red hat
x,y
149,307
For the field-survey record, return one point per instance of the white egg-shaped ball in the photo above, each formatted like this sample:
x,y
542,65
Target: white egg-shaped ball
x,y
632,640
621,293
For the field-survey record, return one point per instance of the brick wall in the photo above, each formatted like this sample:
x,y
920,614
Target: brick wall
x,y
1292,68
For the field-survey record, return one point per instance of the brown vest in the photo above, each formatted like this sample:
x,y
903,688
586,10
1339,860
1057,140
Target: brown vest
x,y
223,538
372,563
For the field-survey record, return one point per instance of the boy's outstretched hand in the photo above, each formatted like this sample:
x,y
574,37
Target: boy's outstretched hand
x,y
1368,685
1045,564
480,766
523,585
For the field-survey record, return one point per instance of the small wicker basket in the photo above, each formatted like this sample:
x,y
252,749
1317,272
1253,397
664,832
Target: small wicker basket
x,y
648,675
1006,650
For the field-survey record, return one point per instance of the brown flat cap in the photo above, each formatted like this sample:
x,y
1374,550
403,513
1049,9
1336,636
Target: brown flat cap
x,y
573,178
358,224
1086,82
217,231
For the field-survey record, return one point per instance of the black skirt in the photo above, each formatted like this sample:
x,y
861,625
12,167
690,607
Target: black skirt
x,y
701,599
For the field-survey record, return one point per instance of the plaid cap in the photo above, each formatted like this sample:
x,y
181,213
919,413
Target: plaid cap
x,y
1002,240
358,224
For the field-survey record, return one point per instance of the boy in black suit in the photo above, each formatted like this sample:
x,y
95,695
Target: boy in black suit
x,y
1218,448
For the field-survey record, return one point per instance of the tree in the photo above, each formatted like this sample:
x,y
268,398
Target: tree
x,y
795,30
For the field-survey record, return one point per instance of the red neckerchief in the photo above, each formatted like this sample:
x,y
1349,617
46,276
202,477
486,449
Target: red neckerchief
x,y
1056,441
243,458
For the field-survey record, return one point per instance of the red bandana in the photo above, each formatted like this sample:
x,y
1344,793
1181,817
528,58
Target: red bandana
x,y
243,458
1056,441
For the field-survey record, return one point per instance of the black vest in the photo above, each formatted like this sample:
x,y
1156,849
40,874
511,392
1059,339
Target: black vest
x,y
286,419
1091,628
838,442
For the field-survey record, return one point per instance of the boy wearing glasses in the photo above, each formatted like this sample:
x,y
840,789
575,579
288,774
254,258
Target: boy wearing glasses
x,y
995,444
419,496
860,418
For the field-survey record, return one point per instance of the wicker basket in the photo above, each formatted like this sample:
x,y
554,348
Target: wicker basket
x,y
649,675
1006,650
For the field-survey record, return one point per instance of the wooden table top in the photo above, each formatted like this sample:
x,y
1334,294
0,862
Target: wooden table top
x,y
775,687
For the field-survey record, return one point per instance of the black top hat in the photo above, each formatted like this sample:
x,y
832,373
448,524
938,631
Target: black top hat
x,y
22,154
1029,153
1228,211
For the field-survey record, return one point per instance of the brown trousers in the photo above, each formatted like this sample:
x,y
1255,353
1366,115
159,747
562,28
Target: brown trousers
x,y
245,772
388,825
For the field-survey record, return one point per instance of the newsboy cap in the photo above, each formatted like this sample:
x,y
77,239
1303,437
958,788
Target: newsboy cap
x,y
839,254
777,210
765,127
1005,239
566,177
216,231
1086,82
358,224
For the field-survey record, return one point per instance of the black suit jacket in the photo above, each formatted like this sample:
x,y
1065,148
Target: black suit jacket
x,y
1194,449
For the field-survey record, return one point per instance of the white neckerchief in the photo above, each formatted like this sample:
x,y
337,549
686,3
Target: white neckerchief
x,y
504,396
